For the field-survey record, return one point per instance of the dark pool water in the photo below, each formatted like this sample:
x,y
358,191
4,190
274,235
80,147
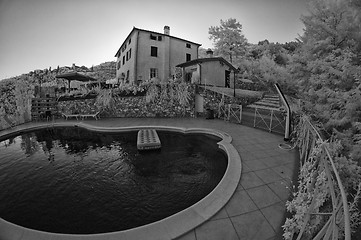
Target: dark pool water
x,y
70,180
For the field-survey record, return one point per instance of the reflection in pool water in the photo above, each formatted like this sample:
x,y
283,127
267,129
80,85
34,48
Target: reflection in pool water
x,y
70,180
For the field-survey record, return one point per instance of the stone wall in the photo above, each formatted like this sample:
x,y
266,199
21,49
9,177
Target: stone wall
x,y
251,86
212,99
134,107
139,107
79,106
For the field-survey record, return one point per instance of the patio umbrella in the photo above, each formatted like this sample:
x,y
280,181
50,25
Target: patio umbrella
x,y
112,81
75,76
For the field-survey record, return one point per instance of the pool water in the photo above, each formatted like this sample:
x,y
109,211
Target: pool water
x,y
71,180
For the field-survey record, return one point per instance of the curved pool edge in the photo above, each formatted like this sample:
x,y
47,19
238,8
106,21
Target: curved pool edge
x,y
168,228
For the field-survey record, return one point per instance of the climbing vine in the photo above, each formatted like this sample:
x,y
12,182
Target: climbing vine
x,y
318,191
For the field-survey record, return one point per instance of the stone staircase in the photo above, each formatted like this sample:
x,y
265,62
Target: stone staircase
x,y
269,102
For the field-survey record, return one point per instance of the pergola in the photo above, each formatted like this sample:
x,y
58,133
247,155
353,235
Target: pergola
x,y
75,76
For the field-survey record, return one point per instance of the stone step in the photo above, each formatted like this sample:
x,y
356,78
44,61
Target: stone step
x,y
267,104
270,102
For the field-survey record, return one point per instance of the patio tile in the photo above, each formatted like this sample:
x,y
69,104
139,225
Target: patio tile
x,y
245,168
271,151
255,148
240,203
282,188
256,165
253,226
191,235
250,180
263,196
268,175
283,171
287,157
215,230
247,156
292,166
220,215
241,148
275,215
261,154
239,187
273,161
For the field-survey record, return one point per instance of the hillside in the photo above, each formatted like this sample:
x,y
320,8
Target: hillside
x,y
102,72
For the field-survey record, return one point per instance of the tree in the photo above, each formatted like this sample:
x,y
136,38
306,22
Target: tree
x,y
202,53
228,38
332,23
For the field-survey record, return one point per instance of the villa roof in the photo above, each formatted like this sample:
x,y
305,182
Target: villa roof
x,y
162,34
211,59
75,76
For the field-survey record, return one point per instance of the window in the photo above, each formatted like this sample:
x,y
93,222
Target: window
x,y
127,78
129,54
188,57
130,40
159,38
153,37
188,45
153,51
189,77
118,65
124,47
153,73
123,60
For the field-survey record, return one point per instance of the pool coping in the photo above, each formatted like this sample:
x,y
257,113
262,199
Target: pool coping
x,y
168,228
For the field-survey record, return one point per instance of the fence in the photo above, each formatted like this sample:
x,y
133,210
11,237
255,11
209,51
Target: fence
x,y
267,117
263,118
320,204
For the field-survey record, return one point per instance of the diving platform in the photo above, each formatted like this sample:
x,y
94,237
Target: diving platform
x,y
148,139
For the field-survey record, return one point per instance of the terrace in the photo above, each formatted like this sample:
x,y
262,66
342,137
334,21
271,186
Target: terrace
x,y
257,207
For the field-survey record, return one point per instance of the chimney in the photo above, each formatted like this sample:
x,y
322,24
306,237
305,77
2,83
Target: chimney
x,y
209,53
166,30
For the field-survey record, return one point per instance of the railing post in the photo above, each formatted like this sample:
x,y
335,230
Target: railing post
x,y
270,124
240,114
229,112
254,121
288,116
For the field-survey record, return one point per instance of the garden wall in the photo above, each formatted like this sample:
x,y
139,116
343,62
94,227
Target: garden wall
x,y
139,107
130,107
212,99
251,86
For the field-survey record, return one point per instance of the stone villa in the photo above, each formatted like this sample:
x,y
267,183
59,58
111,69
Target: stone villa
x,y
146,54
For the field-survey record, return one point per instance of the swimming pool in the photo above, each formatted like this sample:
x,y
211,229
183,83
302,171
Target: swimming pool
x,y
72,180
175,224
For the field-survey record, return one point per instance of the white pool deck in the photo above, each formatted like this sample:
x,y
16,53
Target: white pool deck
x,y
249,204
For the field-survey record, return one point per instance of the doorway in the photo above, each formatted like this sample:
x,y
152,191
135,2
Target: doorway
x,y
227,78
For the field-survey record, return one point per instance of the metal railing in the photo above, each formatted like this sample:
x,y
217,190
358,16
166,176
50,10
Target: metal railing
x,y
288,112
270,119
319,185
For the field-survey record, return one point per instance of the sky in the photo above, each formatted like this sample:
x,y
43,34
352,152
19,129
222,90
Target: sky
x,y
38,34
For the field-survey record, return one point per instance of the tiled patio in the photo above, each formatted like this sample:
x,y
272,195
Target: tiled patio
x,y
257,208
